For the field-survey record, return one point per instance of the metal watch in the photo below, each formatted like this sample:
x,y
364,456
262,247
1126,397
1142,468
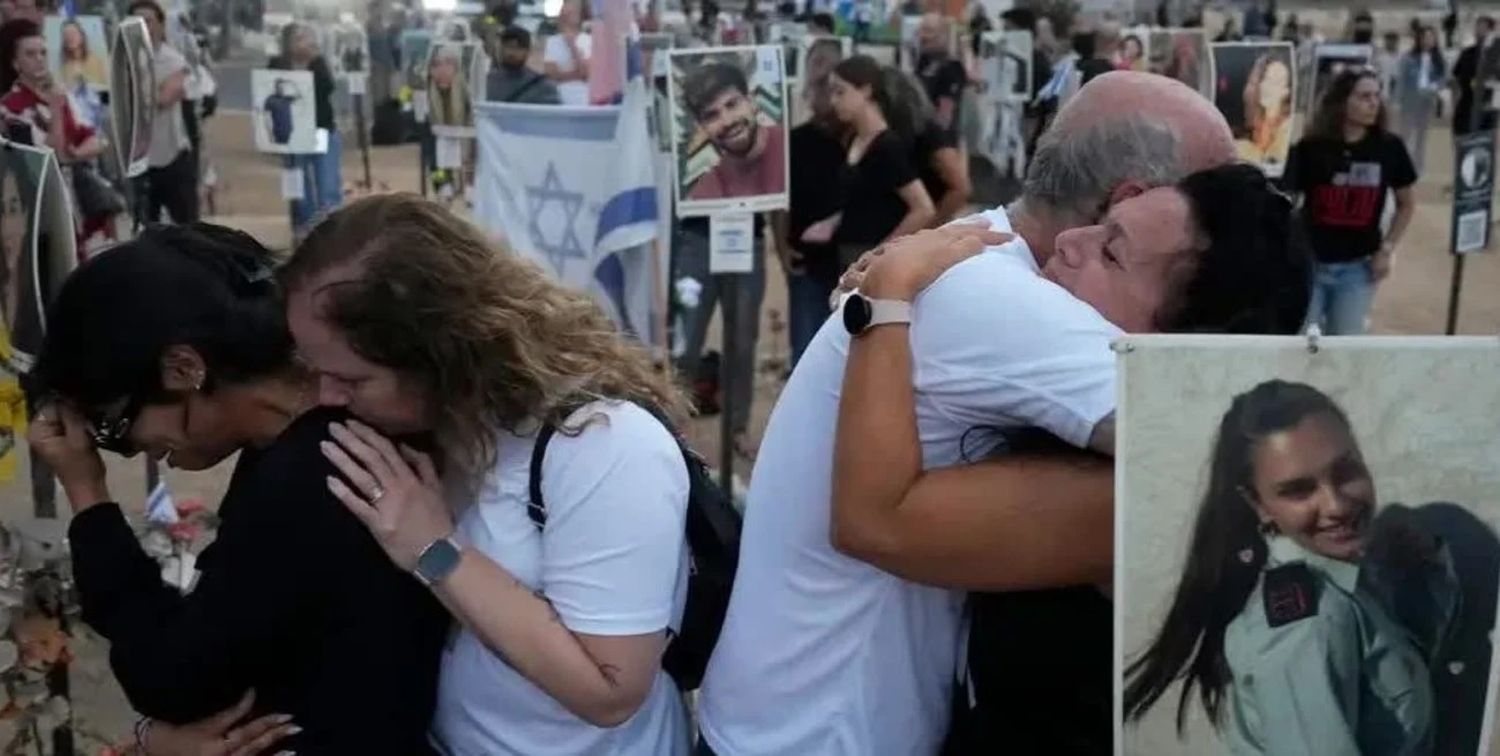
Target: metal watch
x,y
437,561
862,313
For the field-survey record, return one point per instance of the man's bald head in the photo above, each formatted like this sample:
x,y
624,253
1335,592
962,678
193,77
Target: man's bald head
x,y
932,33
1124,132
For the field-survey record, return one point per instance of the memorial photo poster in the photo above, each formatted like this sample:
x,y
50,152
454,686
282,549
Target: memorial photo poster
x,y
1331,60
1007,60
729,128
1256,87
415,44
1314,520
816,56
78,52
38,247
284,114
1134,51
1184,55
351,49
450,89
133,102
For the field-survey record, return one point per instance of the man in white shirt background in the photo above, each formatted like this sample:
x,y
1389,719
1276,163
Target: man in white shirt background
x,y
824,653
566,57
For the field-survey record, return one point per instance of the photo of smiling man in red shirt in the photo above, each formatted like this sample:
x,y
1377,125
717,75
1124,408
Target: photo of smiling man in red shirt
x,y
752,151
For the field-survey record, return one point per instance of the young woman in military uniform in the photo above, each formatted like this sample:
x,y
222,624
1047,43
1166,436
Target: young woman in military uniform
x,y
1283,619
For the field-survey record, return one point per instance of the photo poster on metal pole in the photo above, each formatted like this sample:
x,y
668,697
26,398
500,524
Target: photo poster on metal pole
x,y
1473,192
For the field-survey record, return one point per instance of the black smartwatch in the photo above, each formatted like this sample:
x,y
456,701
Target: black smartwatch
x,y
862,313
437,561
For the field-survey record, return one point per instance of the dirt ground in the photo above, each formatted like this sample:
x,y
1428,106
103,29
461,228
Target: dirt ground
x,y
1414,301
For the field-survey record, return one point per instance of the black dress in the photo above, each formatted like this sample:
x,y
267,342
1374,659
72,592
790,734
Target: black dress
x,y
296,600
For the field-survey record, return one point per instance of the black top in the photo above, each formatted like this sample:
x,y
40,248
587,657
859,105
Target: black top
x,y
295,600
941,77
872,207
1092,67
925,146
1345,187
1464,71
817,192
323,86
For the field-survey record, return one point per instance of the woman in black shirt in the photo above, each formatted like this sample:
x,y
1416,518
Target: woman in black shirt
x,y
175,344
1344,168
322,179
883,196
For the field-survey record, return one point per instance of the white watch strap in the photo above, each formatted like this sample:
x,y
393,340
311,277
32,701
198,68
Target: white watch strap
x,y
883,311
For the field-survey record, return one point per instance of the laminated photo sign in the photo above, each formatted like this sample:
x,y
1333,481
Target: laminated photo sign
x,y
133,98
729,130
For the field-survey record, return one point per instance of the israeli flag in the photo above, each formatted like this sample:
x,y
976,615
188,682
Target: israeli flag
x,y
575,189
160,508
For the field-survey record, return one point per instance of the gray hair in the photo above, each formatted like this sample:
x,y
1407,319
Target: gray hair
x,y
1075,169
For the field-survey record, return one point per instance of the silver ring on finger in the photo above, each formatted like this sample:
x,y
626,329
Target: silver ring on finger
x,y
376,493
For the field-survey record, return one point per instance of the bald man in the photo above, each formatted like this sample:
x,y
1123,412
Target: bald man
x,y
825,653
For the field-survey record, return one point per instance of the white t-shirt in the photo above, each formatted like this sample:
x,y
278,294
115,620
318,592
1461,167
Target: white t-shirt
x,y
612,560
168,133
557,53
825,654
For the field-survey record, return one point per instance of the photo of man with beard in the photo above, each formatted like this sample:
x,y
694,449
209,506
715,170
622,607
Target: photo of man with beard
x,y
750,146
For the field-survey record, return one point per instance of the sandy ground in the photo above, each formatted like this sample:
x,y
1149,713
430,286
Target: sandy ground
x,y
1413,302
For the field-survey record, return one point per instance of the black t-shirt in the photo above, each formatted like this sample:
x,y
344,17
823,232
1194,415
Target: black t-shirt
x,y
925,146
872,206
941,77
1344,187
817,192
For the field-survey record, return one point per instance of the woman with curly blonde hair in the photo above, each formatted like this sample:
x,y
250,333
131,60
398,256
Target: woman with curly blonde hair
x,y
432,334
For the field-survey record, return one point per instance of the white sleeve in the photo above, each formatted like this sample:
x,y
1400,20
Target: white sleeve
x,y
614,546
557,53
997,345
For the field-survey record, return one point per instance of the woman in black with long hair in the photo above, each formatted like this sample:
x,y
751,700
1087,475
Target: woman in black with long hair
x,y
884,196
1279,620
175,344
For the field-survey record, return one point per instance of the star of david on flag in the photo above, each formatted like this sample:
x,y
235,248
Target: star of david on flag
x,y
575,189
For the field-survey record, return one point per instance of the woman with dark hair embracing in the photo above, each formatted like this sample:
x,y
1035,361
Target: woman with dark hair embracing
x,y
1284,619
175,344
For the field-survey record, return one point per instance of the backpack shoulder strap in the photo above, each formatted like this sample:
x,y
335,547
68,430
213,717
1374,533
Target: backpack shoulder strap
x,y
537,508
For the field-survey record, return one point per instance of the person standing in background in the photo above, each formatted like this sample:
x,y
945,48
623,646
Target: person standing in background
x,y
511,80
1346,165
884,196
566,56
171,178
1388,63
942,76
1465,80
322,180
1423,75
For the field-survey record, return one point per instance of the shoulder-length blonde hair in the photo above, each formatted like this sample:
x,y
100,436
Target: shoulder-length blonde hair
x,y
496,342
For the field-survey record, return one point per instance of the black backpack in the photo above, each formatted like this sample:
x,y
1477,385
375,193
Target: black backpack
x,y
713,538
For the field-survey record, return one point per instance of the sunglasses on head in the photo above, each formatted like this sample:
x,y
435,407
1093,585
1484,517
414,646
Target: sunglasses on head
x,y
110,430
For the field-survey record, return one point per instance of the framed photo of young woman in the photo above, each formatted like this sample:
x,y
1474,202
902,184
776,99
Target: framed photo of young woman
x,y
1306,549
1255,90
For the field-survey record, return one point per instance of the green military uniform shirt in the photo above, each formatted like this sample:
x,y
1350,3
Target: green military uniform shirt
x,y
1345,681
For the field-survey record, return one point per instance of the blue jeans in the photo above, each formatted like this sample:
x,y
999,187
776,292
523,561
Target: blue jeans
x,y
1341,297
322,183
807,308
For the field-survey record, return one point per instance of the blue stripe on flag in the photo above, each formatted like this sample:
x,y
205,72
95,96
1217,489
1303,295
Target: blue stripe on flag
x,y
610,273
558,124
628,207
